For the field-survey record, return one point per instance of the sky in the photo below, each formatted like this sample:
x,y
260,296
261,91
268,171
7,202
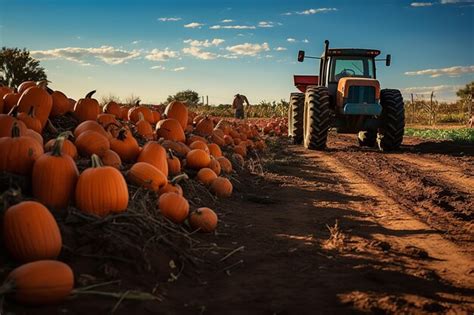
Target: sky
x,y
152,49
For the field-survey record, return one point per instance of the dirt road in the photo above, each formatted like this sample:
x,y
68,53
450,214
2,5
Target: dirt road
x,y
343,231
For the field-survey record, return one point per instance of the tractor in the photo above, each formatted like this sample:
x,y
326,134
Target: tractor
x,y
345,96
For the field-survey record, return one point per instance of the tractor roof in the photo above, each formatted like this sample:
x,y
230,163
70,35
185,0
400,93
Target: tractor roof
x,y
353,52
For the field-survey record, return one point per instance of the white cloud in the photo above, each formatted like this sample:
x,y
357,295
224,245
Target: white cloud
x,y
236,27
178,69
158,68
311,11
198,53
193,25
248,49
135,42
451,71
268,56
205,43
227,21
429,89
280,49
291,40
455,1
169,19
305,41
161,55
107,54
265,24
421,4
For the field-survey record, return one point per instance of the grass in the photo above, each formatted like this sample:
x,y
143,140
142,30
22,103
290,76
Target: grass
x,y
461,135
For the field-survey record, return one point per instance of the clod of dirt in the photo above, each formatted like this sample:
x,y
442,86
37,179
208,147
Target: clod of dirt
x,y
433,307
384,246
416,252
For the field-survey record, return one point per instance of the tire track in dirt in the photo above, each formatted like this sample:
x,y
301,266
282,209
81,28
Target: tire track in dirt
x,y
446,259
442,201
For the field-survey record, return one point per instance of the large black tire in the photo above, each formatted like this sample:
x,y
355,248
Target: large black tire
x,y
317,117
390,134
295,117
367,138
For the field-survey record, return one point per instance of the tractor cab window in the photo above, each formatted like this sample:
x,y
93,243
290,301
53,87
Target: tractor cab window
x,y
351,67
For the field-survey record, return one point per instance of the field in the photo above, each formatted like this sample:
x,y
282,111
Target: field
x,y
362,230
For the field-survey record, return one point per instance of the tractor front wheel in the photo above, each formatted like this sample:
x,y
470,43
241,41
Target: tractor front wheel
x,y
295,117
390,134
317,117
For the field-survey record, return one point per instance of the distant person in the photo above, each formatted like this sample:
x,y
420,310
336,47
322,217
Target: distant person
x,y
470,123
238,105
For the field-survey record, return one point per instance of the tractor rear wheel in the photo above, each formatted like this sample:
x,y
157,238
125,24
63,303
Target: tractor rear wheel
x,y
390,134
317,117
367,138
295,117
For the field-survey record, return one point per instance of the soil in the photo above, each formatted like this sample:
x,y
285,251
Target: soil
x,y
345,231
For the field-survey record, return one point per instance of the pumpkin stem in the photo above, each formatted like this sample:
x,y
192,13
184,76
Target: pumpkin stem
x,y
58,146
170,152
137,103
179,178
49,90
15,130
96,161
122,134
51,127
31,112
66,135
89,95
42,84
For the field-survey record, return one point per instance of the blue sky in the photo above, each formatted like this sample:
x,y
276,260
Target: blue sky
x,y
155,48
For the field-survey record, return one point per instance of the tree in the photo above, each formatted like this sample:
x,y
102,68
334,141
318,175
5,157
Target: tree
x,y
466,94
17,65
188,96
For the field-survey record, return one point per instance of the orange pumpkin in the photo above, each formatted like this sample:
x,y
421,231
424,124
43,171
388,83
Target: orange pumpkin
x,y
153,153
111,158
101,190
221,187
191,138
38,97
206,176
31,232
68,147
241,149
106,119
178,111
205,127
174,207
178,148
215,166
7,121
197,159
199,145
113,108
41,282
30,120
91,142
134,113
204,219
156,116
171,188
125,145
61,104
146,175
54,177
170,129
174,164
18,153
91,125
87,108
144,128
215,150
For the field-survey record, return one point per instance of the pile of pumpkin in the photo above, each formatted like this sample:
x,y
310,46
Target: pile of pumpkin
x,y
176,142
275,126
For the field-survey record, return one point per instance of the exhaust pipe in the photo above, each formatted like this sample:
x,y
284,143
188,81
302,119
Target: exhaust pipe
x,y
326,47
